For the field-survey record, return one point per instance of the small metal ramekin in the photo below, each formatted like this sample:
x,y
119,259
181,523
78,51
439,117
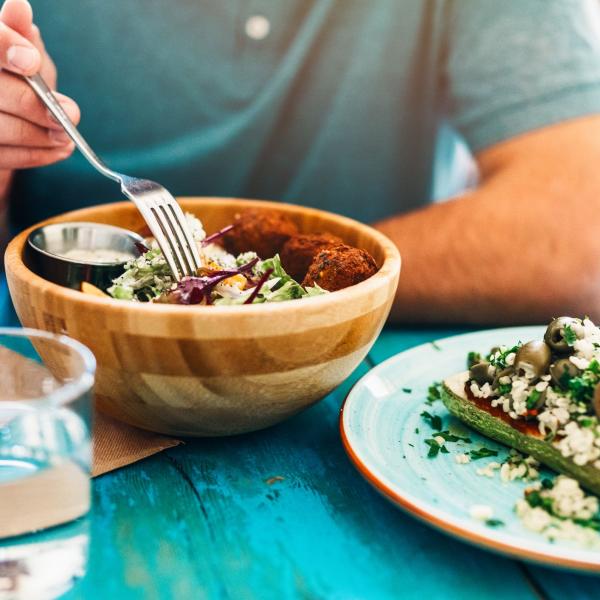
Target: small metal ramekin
x,y
46,246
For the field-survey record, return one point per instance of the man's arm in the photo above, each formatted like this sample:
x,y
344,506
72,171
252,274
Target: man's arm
x,y
521,248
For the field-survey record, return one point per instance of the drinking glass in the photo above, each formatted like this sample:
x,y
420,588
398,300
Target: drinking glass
x,y
46,384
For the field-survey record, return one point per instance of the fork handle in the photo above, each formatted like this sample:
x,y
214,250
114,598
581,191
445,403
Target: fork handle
x,y
40,87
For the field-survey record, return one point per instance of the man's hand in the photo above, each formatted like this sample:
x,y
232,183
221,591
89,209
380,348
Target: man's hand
x,y
29,137
521,248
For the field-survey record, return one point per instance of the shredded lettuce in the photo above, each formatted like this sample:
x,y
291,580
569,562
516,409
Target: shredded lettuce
x,y
145,278
148,277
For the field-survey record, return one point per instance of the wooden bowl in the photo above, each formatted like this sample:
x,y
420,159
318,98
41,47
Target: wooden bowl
x,y
205,371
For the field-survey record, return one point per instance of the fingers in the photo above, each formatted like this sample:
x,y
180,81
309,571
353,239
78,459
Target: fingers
x,y
48,70
25,158
19,100
29,136
18,15
18,132
17,54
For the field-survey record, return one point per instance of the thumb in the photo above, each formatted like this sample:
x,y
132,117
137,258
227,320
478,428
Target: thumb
x,y
18,15
17,53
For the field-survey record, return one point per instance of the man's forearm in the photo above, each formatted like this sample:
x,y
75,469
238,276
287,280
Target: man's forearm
x,y
523,247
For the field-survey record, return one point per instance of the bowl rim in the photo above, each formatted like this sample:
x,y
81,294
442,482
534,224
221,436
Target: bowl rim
x,y
389,269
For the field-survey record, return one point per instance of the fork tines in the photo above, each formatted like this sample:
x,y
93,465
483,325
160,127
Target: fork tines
x,y
170,228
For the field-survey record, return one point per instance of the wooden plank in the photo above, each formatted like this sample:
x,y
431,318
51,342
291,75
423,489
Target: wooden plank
x,y
150,539
214,520
285,515
556,584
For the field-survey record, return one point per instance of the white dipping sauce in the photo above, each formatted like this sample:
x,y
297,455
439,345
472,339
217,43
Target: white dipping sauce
x,y
97,255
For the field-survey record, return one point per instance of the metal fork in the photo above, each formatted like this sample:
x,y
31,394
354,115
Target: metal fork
x,y
160,210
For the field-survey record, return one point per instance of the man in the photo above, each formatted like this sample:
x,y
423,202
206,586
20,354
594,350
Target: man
x,y
336,103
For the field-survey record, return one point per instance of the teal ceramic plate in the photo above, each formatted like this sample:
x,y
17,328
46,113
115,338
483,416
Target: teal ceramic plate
x,y
384,435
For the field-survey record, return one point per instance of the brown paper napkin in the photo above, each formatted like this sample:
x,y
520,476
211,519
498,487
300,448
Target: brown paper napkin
x,y
117,445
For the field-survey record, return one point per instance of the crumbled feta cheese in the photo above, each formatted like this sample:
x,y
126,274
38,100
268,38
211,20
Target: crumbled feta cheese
x,y
485,391
518,467
440,440
563,502
579,444
481,512
580,362
584,348
488,470
462,459
535,519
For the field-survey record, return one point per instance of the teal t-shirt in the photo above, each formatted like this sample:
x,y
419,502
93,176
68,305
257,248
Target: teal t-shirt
x,y
330,103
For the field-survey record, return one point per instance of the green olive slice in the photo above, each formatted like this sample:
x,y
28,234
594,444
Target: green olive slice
x,y
555,334
533,359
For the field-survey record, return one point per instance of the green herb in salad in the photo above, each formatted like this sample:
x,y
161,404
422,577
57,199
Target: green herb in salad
x,y
498,358
435,448
482,452
452,437
434,392
569,335
434,421
494,523
473,358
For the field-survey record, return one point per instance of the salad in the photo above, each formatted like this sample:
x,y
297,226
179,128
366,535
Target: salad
x,y
224,279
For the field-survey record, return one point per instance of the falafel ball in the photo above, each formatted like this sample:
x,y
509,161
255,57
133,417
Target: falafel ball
x,y
261,231
300,250
340,267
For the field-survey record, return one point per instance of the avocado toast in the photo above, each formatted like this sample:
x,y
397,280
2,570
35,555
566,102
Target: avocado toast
x,y
541,398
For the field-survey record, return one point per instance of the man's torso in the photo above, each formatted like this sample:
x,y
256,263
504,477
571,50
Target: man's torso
x,y
335,107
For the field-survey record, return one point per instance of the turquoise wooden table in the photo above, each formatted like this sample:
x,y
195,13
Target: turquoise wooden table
x,y
283,514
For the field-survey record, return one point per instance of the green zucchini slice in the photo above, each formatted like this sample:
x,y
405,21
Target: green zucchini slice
x,y
456,401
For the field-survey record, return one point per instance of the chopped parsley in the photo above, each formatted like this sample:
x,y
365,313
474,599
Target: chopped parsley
x,y
473,358
569,335
452,437
435,421
498,359
594,367
581,388
434,448
482,452
587,421
434,393
436,345
533,398
407,390
504,388
494,523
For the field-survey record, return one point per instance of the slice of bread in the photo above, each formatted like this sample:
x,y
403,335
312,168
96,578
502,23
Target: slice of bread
x,y
457,402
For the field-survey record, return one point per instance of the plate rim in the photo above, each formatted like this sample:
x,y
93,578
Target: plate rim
x,y
404,502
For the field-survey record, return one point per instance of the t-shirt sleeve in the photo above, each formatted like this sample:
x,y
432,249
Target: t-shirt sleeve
x,y
515,65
